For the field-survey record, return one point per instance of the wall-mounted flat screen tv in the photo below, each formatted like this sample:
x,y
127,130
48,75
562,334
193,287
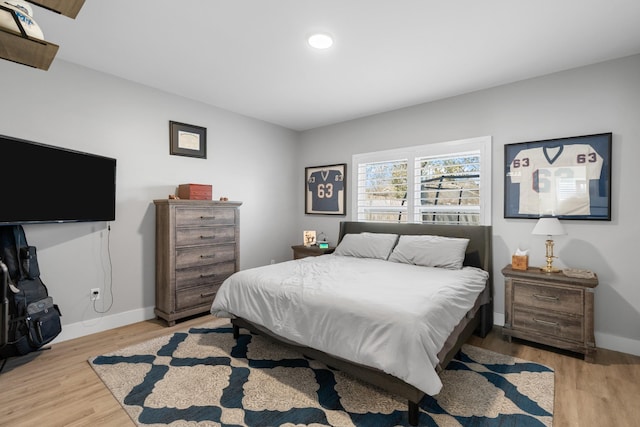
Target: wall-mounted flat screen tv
x,y
43,184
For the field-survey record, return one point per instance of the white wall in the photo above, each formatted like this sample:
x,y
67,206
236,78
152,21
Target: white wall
x,y
74,107
599,98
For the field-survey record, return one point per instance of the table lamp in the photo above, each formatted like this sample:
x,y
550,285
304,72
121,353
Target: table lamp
x,y
549,226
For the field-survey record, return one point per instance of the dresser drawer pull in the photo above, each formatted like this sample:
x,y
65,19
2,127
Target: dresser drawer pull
x,y
208,237
206,276
208,256
546,297
207,295
546,323
204,218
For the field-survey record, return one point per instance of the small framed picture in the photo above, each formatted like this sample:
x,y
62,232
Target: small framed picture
x,y
187,140
309,237
325,190
568,178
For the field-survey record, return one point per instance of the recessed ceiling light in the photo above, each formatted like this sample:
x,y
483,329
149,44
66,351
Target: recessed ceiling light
x,y
320,41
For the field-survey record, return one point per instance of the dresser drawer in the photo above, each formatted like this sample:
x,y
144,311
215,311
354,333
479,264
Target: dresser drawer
x,y
206,274
204,216
550,324
548,297
201,255
192,297
204,235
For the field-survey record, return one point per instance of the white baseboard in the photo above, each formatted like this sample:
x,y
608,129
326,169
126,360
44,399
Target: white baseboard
x,y
608,341
498,319
92,326
616,343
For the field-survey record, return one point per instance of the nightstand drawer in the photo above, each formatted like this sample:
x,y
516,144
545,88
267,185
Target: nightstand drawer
x,y
204,235
551,324
548,297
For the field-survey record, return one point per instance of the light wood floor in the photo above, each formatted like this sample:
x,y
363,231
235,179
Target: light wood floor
x,y
57,387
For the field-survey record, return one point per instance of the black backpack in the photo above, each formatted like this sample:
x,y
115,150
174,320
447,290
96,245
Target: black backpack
x,y
33,318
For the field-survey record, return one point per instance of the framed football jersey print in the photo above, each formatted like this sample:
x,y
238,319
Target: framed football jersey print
x,y
325,189
568,178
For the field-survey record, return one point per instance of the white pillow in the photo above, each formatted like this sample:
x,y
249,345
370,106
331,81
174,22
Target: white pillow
x,y
367,245
430,251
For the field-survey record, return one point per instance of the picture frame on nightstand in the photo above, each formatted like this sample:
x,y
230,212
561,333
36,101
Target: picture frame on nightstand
x,y
309,237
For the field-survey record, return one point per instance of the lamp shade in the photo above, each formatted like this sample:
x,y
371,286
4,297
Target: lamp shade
x,y
548,227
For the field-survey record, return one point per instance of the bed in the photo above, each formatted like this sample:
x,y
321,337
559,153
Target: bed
x,y
394,324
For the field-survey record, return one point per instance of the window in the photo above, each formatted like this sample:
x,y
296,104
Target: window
x,y
445,183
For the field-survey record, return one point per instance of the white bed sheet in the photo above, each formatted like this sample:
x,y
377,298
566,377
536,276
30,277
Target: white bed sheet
x,y
390,316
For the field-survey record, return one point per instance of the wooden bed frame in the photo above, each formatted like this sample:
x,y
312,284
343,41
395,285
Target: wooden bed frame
x,y
478,320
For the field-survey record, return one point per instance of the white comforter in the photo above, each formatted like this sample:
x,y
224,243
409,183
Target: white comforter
x,y
386,315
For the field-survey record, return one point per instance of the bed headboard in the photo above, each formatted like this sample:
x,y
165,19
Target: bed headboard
x,y
480,236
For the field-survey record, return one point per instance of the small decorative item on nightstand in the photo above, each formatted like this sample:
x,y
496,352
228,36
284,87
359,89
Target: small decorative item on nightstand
x,y
309,237
549,227
520,260
322,241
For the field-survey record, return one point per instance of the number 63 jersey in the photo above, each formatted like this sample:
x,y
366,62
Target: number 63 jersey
x,y
324,186
555,180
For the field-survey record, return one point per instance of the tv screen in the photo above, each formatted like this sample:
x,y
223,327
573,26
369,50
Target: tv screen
x,y
42,183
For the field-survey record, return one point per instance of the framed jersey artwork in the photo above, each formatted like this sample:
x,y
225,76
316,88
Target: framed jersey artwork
x,y
325,190
568,178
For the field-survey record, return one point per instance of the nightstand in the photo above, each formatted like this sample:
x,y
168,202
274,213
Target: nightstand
x,y
550,308
301,251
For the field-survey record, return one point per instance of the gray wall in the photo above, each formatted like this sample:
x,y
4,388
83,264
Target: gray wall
x,y
599,98
71,106
74,107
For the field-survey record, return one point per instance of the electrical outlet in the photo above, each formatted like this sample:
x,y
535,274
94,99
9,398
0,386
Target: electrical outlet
x,y
95,294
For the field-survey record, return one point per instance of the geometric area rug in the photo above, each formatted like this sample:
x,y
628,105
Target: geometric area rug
x,y
204,377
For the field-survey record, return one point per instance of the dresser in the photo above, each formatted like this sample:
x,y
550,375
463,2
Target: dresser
x,y
197,247
551,309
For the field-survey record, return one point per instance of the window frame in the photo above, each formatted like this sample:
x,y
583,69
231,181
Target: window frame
x,y
480,144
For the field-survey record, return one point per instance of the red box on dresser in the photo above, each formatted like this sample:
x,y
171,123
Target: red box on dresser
x,y
195,191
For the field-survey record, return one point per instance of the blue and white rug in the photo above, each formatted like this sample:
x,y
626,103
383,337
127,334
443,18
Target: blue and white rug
x,y
203,377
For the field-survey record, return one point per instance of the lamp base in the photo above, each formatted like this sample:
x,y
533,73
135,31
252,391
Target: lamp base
x,y
549,268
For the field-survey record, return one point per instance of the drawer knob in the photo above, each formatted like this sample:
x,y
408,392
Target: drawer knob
x,y
208,237
204,218
208,256
207,295
546,297
546,323
204,276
